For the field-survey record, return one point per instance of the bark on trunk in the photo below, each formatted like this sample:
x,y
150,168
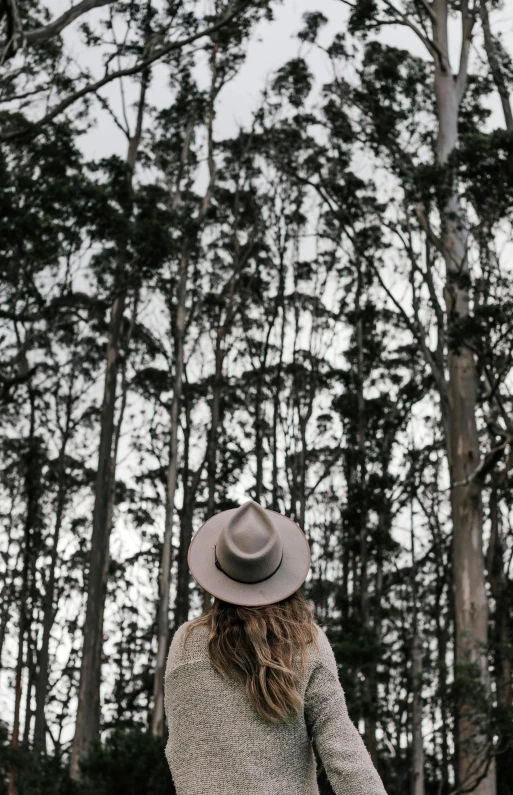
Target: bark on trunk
x,y
471,607
182,600
368,707
495,66
191,482
442,636
259,433
8,588
48,616
500,590
277,390
417,779
32,495
215,412
417,787
31,678
15,737
182,603
215,407
157,723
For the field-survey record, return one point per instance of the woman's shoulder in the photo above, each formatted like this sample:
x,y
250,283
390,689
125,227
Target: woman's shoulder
x,y
189,644
322,652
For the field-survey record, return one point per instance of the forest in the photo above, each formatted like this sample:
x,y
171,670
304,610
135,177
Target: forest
x,y
308,303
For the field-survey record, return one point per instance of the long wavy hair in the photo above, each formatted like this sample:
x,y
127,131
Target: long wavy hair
x,y
265,648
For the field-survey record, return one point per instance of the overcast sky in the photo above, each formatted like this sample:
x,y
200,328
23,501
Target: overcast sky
x,y
271,45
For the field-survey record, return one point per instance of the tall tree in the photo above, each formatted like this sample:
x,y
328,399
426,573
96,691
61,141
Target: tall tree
x,y
453,364
125,279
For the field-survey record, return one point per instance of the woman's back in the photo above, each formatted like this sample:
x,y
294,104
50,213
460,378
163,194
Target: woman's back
x,y
219,745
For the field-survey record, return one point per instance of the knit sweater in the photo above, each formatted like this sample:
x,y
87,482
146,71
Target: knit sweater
x,y
219,745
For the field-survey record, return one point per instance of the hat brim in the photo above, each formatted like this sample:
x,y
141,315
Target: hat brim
x,y
289,577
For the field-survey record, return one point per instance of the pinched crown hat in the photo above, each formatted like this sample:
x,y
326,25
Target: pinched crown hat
x,y
249,556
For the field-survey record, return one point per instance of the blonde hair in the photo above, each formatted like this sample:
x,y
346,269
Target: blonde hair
x,y
258,646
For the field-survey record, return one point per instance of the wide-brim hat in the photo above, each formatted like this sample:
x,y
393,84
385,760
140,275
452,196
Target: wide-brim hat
x,y
250,556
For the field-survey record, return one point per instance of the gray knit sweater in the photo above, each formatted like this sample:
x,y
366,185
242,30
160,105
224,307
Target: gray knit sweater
x,y
218,744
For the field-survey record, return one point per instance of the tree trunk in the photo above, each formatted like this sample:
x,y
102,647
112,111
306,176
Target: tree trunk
x,y
31,677
212,446
182,602
157,724
302,461
9,588
181,613
277,392
259,427
214,427
32,495
49,603
361,432
495,66
499,586
88,712
442,634
417,778
417,787
471,606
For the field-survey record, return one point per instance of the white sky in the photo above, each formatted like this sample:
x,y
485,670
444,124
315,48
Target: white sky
x,y
271,45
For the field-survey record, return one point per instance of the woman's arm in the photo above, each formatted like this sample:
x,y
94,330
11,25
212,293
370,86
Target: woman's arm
x,y
348,764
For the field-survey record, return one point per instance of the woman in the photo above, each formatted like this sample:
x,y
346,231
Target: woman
x,y
251,684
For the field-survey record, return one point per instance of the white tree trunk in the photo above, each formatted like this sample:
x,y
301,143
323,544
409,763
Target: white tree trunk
x,y
475,770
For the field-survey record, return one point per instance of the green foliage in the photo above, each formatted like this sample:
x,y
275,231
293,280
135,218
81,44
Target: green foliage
x,y
362,15
485,164
314,22
45,196
294,81
35,774
130,762
396,94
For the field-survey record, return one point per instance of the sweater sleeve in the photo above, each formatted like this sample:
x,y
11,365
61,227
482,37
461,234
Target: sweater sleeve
x,y
347,762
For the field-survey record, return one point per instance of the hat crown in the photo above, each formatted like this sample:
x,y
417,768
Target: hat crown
x,y
249,546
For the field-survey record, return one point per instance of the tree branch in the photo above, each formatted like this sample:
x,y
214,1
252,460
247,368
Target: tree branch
x,y
468,18
39,35
426,6
430,45
14,31
488,463
495,66
418,334
129,71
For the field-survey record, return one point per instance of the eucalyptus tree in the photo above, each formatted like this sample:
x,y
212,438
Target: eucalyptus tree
x,y
394,92
353,227
49,198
